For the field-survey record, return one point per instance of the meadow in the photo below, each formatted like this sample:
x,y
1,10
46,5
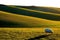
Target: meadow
x,y
28,33
29,16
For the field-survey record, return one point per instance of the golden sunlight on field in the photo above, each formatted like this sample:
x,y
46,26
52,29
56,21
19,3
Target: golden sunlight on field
x,y
28,20
29,16
27,33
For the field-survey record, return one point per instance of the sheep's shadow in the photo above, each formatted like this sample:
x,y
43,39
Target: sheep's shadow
x,y
42,36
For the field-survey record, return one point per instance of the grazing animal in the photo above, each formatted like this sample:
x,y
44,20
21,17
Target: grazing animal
x,y
48,31
42,36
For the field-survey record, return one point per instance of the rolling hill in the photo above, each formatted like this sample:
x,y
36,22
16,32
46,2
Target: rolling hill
x,y
28,16
45,9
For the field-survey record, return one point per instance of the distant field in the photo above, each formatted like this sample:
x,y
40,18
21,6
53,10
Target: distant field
x,y
27,33
29,16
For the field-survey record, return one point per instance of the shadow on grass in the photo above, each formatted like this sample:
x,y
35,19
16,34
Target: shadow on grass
x,y
45,9
28,13
11,24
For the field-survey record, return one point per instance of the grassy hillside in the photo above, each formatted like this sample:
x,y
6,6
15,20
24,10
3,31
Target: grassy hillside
x,y
28,17
45,9
25,21
23,11
27,33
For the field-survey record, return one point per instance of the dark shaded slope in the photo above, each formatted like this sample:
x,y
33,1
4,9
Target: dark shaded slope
x,y
28,13
45,9
11,24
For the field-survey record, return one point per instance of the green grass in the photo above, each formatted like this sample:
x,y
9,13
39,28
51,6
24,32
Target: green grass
x,y
23,17
44,9
16,10
26,21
